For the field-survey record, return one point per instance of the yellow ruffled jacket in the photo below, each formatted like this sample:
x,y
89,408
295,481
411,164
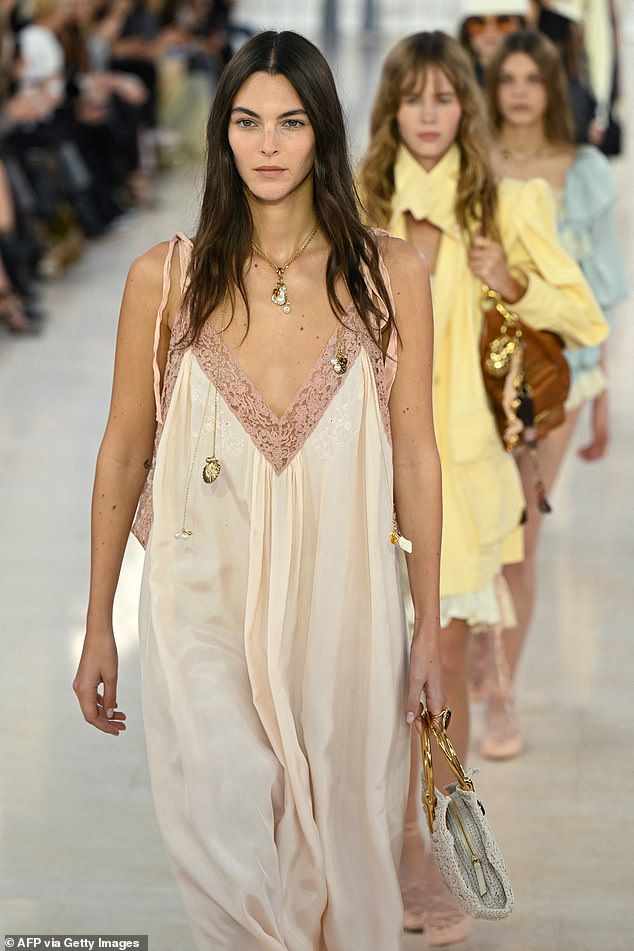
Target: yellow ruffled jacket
x,y
483,500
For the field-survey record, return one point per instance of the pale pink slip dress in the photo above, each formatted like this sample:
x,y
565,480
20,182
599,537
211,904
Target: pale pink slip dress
x,y
274,651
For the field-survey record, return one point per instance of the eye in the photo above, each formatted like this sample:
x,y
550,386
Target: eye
x,y
444,98
409,100
245,123
294,123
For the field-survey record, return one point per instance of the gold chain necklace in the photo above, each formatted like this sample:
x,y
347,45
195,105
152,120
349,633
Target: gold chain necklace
x,y
212,467
280,291
542,152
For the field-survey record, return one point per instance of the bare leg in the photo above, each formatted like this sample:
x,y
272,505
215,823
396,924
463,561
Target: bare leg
x,y
521,576
410,871
503,737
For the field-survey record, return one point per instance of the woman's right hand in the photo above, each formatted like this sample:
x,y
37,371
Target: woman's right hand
x,y
98,666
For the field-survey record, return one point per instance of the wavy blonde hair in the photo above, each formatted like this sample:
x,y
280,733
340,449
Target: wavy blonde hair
x,y
405,70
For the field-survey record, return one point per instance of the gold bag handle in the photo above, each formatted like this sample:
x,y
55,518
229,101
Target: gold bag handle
x,y
437,726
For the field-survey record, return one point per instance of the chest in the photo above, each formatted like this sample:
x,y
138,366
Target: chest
x,y
278,344
426,238
552,168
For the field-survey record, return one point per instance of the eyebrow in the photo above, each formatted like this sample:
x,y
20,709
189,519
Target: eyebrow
x,y
283,115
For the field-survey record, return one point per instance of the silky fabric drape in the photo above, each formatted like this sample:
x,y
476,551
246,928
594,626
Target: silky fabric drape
x,y
274,651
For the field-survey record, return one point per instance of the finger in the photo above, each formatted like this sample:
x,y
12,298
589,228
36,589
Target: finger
x,y
436,699
113,725
109,696
90,702
117,714
413,704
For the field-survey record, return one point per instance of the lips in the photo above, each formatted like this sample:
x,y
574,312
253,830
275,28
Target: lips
x,y
269,169
429,136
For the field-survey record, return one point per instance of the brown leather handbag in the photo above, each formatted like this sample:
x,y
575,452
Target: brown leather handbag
x,y
526,377
525,372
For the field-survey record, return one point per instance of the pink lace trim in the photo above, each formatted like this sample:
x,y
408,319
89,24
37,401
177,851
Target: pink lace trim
x,y
278,438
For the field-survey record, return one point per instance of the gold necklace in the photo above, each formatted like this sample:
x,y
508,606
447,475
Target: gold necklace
x,y
541,152
280,291
212,467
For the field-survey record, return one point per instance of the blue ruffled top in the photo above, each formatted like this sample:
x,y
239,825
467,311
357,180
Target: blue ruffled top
x,y
587,228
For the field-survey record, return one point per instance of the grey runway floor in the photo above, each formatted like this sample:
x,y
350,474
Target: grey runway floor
x,y
80,851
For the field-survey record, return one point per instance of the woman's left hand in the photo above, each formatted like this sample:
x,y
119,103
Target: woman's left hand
x,y
425,673
488,262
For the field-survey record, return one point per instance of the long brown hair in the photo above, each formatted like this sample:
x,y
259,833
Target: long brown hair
x,y
222,245
404,70
559,126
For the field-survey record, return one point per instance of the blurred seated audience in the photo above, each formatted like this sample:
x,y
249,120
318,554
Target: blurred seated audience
x,y
80,137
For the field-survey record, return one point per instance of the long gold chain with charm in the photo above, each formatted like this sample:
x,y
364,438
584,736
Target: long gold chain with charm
x,y
279,295
212,467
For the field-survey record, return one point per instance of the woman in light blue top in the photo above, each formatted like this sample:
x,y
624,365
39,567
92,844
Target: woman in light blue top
x,y
587,227
534,138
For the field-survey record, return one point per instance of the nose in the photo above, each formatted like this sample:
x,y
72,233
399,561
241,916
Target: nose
x,y
268,145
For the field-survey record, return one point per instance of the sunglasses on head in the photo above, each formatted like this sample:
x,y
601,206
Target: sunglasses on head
x,y
504,23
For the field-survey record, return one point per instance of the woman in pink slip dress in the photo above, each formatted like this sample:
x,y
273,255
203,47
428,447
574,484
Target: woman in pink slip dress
x,y
294,453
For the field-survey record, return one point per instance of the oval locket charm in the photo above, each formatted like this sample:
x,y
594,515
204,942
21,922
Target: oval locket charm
x,y
211,470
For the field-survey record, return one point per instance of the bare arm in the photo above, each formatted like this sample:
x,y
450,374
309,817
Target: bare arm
x,y
122,463
417,483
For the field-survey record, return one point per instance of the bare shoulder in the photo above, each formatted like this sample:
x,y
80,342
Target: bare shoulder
x,y
409,279
146,271
144,285
406,266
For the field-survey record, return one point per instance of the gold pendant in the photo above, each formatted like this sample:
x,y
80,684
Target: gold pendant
x,y
280,296
339,364
211,470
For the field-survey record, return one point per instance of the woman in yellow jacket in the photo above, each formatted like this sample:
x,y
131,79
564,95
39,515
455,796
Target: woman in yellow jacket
x,y
426,177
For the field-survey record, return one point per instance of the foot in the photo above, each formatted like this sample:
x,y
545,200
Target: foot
x,y
503,737
445,922
13,314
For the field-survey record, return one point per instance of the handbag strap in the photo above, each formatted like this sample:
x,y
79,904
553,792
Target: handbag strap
x,y
436,726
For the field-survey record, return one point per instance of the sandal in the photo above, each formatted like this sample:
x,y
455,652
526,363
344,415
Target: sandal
x,y
13,315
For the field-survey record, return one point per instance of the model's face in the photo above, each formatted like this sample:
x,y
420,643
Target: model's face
x,y
271,137
521,94
487,32
428,118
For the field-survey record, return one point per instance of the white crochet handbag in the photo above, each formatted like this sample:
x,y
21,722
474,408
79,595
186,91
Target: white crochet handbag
x,y
463,842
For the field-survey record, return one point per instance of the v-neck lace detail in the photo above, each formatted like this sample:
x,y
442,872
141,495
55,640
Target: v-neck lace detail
x,y
278,438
